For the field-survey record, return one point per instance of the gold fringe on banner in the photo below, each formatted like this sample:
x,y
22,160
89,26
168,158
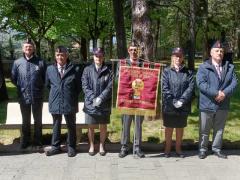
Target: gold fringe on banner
x,y
140,112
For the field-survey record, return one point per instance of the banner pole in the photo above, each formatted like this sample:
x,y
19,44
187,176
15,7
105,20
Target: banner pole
x,y
113,83
134,136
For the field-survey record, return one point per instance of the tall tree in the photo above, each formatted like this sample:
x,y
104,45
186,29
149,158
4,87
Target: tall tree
x,y
205,29
3,89
192,34
120,28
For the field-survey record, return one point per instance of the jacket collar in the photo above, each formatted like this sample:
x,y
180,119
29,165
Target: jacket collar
x,y
68,67
29,59
209,63
103,67
180,68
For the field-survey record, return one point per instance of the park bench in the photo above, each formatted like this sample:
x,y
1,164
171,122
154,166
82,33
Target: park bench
x,y
14,118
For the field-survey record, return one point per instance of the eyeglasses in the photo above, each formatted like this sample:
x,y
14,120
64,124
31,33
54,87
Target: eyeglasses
x,y
133,50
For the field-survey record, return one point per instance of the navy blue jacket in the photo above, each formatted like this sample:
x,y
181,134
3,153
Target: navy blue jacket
x,y
97,84
209,84
63,95
177,86
29,76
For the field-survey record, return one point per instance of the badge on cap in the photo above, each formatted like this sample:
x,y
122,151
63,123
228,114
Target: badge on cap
x,y
217,44
98,51
177,51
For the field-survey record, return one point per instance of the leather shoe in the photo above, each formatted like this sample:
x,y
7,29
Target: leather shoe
x,y
167,155
91,153
123,153
71,153
220,155
24,145
139,153
103,153
52,151
180,154
202,155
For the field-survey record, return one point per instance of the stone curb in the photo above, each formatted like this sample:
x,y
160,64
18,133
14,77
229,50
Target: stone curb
x,y
111,147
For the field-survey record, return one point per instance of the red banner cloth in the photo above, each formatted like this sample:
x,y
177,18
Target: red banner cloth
x,y
137,90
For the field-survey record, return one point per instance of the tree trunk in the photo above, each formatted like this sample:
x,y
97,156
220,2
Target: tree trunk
x,y
178,42
96,30
237,33
236,43
83,49
3,88
141,25
192,18
156,39
51,44
38,47
205,32
120,28
111,44
11,49
206,46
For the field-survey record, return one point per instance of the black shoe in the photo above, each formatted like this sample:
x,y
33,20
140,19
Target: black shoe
x,y
220,155
71,152
167,155
103,153
140,154
38,144
202,155
24,145
180,154
52,151
91,153
123,153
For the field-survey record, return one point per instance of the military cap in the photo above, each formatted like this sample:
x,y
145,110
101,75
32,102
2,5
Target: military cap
x,y
98,51
177,51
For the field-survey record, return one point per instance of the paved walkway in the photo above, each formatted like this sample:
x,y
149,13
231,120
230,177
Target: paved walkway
x,y
36,166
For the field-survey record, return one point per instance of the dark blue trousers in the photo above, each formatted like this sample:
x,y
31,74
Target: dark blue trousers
x,y
71,126
36,110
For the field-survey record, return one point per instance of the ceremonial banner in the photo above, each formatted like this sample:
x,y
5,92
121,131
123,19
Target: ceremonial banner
x,y
138,89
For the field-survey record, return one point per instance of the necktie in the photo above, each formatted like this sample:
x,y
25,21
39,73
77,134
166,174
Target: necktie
x,y
218,67
98,70
61,71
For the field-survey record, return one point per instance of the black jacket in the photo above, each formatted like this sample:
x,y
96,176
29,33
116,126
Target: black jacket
x,y
29,76
97,84
177,86
63,95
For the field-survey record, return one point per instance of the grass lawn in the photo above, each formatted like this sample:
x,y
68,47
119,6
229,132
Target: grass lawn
x,y
153,131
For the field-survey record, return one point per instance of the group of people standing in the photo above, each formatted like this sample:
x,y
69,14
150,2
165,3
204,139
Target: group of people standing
x,y
216,81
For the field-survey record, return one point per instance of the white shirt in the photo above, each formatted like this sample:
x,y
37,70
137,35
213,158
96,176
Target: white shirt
x,y
98,67
27,58
218,67
60,68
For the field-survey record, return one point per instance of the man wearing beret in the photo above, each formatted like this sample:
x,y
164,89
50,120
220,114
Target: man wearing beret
x,y
216,81
28,74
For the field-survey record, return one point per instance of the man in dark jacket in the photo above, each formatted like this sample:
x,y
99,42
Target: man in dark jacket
x,y
127,119
28,74
216,81
63,80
